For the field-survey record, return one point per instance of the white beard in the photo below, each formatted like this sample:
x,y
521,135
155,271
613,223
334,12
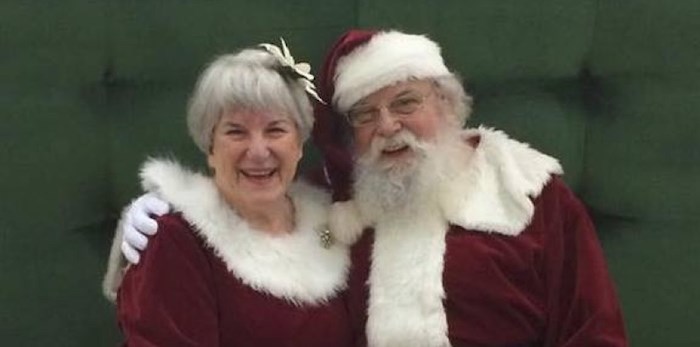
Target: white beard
x,y
401,200
403,189
410,204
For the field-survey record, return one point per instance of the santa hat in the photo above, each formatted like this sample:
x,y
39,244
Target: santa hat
x,y
386,58
360,63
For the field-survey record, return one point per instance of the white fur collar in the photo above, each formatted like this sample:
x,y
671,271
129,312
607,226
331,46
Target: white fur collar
x,y
495,193
294,267
492,194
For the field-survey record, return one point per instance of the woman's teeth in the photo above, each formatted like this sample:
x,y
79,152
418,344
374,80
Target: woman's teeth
x,y
258,173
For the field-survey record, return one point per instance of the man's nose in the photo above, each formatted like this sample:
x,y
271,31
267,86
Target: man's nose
x,y
388,124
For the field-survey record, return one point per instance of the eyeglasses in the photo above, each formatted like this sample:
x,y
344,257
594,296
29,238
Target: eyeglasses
x,y
403,106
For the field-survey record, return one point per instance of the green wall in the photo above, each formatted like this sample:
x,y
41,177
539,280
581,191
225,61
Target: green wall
x,y
88,89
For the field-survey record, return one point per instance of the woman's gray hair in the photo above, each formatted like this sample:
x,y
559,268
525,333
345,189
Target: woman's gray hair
x,y
459,101
249,79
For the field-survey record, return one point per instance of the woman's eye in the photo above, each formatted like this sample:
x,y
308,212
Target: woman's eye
x,y
277,131
235,132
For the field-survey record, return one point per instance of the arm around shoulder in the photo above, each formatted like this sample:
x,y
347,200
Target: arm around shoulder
x,y
168,299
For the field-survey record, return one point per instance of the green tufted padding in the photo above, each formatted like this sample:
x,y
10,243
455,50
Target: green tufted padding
x,y
642,154
642,158
90,88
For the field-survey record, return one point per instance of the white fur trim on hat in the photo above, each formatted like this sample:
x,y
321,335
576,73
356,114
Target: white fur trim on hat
x,y
387,58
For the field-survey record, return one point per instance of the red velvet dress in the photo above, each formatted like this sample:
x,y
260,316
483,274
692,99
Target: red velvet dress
x,y
547,286
181,294
224,284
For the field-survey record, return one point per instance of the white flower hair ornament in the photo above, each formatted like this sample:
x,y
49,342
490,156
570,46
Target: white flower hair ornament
x,y
300,71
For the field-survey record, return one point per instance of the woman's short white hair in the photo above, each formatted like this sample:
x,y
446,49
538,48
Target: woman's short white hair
x,y
249,79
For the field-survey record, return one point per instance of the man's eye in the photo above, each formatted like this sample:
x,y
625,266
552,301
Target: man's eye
x,y
405,105
362,117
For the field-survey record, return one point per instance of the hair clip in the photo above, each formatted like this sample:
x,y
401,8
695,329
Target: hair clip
x,y
300,71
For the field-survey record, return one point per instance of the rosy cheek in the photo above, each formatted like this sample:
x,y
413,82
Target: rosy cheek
x,y
361,142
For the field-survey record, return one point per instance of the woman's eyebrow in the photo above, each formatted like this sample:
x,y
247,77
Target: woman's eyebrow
x,y
231,123
280,121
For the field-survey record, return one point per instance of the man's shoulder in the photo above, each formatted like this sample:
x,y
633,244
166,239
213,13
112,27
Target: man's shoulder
x,y
494,191
557,196
515,163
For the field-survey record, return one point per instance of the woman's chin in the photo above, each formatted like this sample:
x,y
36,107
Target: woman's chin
x,y
268,192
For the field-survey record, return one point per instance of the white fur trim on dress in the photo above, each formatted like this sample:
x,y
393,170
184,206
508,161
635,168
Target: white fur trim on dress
x,y
387,58
293,267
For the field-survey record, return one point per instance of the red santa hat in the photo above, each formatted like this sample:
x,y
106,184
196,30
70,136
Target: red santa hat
x,y
360,63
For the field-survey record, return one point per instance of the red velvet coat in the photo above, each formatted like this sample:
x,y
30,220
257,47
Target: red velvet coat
x,y
497,252
547,286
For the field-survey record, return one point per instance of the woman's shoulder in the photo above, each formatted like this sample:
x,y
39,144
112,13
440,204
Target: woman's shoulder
x,y
176,233
174,221
172,283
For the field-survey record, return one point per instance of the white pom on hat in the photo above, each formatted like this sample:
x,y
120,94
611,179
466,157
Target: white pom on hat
x,y
387,58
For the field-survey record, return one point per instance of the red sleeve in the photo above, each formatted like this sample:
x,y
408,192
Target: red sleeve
x,y
168,298
583,306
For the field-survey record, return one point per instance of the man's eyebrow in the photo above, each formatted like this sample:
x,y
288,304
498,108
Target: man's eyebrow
x,y
360,104
405,92
364,104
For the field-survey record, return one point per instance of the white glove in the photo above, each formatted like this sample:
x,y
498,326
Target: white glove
x,y
137,222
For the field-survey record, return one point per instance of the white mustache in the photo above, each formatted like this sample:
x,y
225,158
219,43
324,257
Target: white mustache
x,y
404,138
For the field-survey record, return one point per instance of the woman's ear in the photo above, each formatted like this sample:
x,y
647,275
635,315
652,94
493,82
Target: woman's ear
x,y
211,162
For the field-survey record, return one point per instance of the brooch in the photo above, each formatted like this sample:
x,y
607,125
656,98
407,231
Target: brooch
x,y
326,237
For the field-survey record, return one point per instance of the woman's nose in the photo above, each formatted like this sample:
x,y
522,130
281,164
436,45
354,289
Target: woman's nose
x,y
259,148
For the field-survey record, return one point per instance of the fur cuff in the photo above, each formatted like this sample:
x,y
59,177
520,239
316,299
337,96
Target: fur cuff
x,y
116,265
345,222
